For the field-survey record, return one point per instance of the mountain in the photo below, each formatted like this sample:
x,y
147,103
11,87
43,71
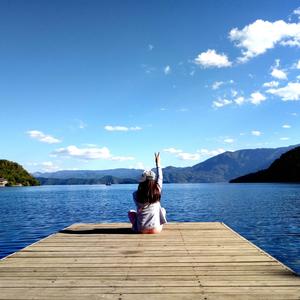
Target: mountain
x,y
89,174
220,168
15,174
72,181
226,166
284,169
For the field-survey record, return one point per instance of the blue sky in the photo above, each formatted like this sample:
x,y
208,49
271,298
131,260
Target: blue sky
x,y
105,84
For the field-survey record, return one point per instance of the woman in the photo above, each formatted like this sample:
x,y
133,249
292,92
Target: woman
x,y
149,216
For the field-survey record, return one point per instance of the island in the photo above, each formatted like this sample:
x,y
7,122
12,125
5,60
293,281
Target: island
x,y
13,174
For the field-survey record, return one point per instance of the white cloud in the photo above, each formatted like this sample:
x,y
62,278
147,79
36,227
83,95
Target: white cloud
x,y
46,166
217,84
115,128
121,128
239,100
256,132
259,36
284,138
84,153
221,102
188,156
89,153
297,12
172,150
90,145
40,136
211,59
286,126
234,93
279,74
122,158
183,155
297,65
291,92
167,70
256,98
229,141
135,128
271,84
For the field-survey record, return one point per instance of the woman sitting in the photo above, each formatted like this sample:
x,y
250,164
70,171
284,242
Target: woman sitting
x,y
149,216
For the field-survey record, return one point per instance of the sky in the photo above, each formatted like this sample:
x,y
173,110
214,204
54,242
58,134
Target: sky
x,y
98,85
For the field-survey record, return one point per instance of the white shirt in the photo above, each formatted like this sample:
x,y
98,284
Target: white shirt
x,y
150,216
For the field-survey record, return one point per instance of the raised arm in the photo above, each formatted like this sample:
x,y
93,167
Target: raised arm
x,y
158,170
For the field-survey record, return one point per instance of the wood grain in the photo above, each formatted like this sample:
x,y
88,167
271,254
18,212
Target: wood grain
x,y
107,261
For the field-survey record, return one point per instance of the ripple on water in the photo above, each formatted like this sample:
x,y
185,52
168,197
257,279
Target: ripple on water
x,y
266,214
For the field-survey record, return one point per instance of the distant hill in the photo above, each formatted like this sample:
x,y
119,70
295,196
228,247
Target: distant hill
x,y
15,174
220,168
74,181
284,169
91,174
226,166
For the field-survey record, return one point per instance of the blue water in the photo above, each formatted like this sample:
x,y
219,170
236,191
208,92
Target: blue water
x,y
266,214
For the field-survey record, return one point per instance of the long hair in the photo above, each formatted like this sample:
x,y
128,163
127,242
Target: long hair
x,y
148,192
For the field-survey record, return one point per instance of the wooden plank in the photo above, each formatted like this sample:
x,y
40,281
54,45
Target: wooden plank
x,y
144,254
151,271
155,296
71,290
137,260
106,261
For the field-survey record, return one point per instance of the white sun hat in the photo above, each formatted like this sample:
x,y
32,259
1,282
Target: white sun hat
x,y
147,174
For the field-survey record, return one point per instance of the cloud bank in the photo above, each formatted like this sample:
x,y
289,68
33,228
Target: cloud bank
x,y
44,138
89,153
121,128
260,36
291,92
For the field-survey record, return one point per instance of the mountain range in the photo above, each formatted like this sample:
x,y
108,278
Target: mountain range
x,y
284,169
220,168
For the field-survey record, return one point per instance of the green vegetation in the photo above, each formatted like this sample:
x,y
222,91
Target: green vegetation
x,y
15,174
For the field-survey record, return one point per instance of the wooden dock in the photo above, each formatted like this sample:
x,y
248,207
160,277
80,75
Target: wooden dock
x,y
106,261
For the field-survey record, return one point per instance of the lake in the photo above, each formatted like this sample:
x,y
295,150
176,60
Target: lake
x,y
266,214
